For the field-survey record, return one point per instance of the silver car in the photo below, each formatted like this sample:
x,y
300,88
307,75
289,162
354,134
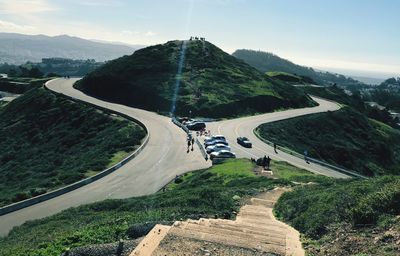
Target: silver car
x,y
217,147
222,154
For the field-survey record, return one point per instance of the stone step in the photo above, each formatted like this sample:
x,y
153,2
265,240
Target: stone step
x,y
228,240
234,233
255,214
262,202
148,245
267,224
271,232
267,227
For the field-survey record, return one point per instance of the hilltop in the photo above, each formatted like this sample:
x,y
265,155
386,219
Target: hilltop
x,y
19,48
212,83
269,62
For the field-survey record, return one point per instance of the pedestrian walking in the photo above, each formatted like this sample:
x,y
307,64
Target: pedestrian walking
x,y
276,151
192,144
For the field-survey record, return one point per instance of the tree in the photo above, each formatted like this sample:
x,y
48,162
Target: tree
x,y
35,72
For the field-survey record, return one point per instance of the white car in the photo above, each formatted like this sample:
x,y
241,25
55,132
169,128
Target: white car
x,y
214,137
222,154
215,142
217,147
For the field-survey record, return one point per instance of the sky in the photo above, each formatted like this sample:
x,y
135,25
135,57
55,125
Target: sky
x,y
358,37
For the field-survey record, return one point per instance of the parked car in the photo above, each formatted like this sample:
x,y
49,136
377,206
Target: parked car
x,y
217,147
245,142
196,126
214,142
214,137
222,154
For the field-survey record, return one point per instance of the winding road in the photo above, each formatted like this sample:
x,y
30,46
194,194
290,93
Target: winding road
x,y
162,159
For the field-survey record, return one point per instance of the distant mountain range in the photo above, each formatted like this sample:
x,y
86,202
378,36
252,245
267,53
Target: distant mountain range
x,y
19,48
269,62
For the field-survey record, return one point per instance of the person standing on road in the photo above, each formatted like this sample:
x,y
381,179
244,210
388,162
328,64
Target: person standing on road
x,y
264,161
306,156
188,145
268,161
276,151
192,144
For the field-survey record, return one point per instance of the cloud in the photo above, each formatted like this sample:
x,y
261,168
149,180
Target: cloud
x,y
100,3
150,33
6,26
24,7
129,33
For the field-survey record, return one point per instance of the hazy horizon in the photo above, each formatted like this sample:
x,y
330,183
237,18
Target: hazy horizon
x,y
357,37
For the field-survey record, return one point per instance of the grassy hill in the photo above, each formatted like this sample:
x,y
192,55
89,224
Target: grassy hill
x,y
213,83
355,101
290,78
342,217
206,193
268,62
346,138
48,141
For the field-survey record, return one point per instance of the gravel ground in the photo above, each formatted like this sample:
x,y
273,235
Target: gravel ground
x,y
189,247
112,249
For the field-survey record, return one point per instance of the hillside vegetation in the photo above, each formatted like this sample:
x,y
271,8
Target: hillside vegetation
x,y
48,141
213,83
345,138
20,85
346,217
213,192
355,101
290,78
268,62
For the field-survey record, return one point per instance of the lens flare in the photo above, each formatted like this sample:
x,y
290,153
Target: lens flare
x,y
178,77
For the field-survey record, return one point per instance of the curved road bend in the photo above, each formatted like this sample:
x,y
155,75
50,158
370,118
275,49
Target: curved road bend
x,y
245,126
164,156
161,160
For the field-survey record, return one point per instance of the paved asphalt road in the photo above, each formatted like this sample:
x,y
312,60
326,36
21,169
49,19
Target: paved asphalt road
x,y
234,128
162,159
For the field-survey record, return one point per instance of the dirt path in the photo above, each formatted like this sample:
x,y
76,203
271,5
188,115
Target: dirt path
x,y
254,232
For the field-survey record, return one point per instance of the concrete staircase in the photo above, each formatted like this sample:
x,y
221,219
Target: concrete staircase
x,y
254,232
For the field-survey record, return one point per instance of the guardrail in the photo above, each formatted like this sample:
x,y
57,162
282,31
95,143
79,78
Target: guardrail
x,y
182,126
202,150
52,194
310,159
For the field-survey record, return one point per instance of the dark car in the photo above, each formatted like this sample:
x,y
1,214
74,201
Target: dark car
x,y
244,142
196,126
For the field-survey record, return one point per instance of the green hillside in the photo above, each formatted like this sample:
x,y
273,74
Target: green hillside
x,y
346,217
346,138
268,62
212,83
355,101
290,78
48,141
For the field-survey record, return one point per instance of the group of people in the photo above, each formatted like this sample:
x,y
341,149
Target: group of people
x,y
266,162
190,142
203,132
